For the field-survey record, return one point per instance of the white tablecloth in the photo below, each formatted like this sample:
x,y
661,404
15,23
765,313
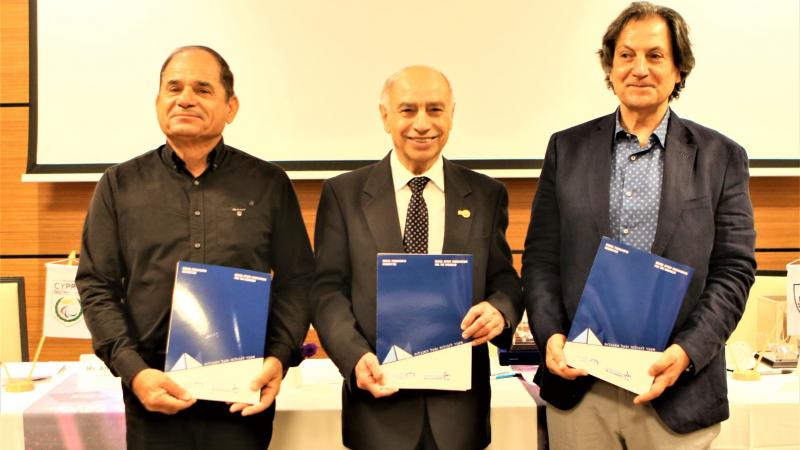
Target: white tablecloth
x,y
764,414
308,409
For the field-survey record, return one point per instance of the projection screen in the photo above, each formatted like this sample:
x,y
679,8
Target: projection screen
x,y
309,74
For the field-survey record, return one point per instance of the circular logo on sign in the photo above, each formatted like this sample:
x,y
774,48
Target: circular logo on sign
x,y
68,309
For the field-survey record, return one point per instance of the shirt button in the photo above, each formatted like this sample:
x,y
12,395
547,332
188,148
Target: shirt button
x,y
624,231
196,182
628,193
196,245
196,212
633,157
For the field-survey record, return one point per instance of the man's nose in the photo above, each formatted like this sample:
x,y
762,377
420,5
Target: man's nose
x,y
640,67
187,97
422,122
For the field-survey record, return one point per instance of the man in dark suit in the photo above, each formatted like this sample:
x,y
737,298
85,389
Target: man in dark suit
x,y
372,210
666,185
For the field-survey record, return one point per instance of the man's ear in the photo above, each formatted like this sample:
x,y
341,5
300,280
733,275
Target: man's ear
x,y
233,108
384,117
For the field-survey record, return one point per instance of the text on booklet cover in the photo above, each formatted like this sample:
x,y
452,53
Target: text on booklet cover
x,y
422,299
217,330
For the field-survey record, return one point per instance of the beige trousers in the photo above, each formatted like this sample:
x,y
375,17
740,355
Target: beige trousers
x,y
607,419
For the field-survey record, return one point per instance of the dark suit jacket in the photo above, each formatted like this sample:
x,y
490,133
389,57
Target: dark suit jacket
x,y
357,218
705,220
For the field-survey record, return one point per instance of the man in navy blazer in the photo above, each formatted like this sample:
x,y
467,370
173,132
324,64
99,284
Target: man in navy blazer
x,y
365,212
666,185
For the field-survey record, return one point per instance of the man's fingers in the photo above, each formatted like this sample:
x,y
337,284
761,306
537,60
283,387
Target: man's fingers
x,y
556,362
470,317
175,390
482,321
655,390
379,391
476,329
266,399
369,376
486,335
373,368
480,341
564,371
236,407
661,364
168,404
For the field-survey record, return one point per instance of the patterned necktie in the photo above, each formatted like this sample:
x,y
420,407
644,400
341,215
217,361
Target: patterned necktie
x,y
416,237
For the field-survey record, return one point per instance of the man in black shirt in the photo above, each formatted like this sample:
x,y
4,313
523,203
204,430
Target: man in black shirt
x,y
193,199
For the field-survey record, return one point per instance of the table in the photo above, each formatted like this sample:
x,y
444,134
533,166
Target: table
x,y
764,414
308,411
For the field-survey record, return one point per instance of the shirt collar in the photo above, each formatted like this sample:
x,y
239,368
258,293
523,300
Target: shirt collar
x,y
214,158
660,132
401,176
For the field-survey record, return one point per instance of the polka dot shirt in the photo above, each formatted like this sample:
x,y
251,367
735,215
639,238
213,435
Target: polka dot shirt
x,y
635,192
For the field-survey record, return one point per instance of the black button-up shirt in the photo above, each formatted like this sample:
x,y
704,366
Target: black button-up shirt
x,y
150,212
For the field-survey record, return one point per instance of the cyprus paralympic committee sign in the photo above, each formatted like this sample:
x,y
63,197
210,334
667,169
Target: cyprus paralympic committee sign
x,y
63,312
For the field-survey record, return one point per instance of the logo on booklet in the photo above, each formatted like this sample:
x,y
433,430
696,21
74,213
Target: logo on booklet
x,y
796,290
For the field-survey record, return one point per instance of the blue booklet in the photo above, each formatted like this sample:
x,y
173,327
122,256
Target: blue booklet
x,y
626,314
422,299
217,331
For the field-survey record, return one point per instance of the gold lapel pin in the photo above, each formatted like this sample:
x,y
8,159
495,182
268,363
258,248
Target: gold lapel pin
x,y
464,213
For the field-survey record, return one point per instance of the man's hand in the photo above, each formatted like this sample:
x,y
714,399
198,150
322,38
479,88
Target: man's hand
x,y
666,371
268,381
556,362
369,376
158,393
482,323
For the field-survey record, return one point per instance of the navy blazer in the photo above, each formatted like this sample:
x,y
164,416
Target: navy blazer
x,y
705,220
357,218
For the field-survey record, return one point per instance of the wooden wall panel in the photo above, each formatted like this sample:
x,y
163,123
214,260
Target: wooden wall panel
x,y
35,218
776,204
14,51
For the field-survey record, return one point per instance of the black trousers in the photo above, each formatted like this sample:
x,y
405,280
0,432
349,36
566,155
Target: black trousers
x,y
204,426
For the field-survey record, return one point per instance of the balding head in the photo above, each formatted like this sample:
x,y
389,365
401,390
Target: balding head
x,y
413,71
417,111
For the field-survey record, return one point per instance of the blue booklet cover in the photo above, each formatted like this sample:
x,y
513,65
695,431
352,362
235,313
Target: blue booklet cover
x,y
422,299
217,329
626,314
631,298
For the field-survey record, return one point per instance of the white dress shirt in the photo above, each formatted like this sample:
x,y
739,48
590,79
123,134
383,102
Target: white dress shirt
x,y
433,195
